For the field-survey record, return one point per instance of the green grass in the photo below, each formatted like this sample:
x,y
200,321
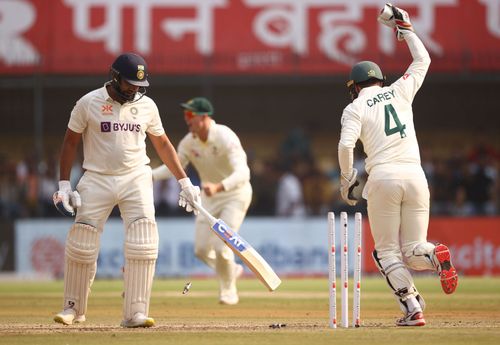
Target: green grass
x,y
470,316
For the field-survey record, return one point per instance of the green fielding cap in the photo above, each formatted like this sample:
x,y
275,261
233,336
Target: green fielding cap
x,y
199,106
363,71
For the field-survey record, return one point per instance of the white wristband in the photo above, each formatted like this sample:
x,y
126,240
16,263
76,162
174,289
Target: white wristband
x,y
185,182
64,185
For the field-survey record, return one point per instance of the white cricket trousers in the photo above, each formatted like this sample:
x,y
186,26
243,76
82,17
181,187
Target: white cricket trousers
x,y
398,211
231,207
132,192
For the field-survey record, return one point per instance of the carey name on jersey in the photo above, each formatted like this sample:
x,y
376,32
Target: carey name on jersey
x,y
120,127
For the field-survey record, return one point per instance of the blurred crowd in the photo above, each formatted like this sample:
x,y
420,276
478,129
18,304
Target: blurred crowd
x,y
293,184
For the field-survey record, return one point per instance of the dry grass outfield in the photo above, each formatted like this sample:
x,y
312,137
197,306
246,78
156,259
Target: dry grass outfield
x,y
470,316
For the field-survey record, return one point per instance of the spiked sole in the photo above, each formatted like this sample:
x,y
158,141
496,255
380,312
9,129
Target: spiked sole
x,y
448,273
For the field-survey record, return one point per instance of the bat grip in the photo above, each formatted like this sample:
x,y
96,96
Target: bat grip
x,y
205,213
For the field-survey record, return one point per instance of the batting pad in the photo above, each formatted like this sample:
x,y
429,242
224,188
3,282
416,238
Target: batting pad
x,y
399,280
420,258
141,251
82,248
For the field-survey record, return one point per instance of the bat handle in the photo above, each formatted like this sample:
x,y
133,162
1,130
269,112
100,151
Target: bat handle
x,y
205,213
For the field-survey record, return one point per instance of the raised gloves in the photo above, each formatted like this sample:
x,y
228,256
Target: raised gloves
x,y
347,185
397,19
386,16
66,200
189,195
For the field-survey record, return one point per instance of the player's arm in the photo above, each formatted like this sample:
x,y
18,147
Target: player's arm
x,y
168,155
399,20
162,172
190,195
238,160
349,134
65,199
68,153
415,74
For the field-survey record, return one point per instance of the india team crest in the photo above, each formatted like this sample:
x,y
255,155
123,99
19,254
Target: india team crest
x,y
140,72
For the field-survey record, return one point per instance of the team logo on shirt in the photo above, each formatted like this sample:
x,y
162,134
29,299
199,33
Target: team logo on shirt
x,y
107,109
107,127
195,153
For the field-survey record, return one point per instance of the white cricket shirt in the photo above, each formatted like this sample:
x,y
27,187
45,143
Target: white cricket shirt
x,y
220,159
382,118
114,134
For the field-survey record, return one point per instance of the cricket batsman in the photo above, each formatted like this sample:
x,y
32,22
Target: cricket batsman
x,y
113,122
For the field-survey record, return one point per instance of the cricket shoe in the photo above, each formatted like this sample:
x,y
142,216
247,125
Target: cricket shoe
x,y
447,273
138,320
69,317
415,318
229,299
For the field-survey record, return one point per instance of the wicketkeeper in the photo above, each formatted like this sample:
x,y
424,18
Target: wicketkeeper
x,y
113,122
396,191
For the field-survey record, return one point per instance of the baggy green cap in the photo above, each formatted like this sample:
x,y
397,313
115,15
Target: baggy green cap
x,y
199,106
363,71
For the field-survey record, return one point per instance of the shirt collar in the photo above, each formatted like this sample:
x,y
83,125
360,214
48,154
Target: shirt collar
x,y
368,89
211,130
104,92
105,95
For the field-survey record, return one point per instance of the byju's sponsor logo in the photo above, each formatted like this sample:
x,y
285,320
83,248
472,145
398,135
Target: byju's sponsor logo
x,y
120,127
105,126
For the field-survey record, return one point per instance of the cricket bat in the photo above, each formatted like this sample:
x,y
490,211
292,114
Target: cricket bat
x,y
243,249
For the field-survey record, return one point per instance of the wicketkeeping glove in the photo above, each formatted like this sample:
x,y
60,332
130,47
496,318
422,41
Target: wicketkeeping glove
x,y
386,16
66,200
402,21
347,185
397,19
189,195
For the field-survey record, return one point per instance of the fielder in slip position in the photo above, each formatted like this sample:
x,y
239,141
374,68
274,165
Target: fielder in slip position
x,y
396,191
113,122
216,153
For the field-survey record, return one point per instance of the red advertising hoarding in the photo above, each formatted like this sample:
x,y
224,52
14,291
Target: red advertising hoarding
x,y
313,37
474,244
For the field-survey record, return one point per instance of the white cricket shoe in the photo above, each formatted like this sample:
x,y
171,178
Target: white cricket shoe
x,y
67,317
79,319
229,299
138,320
415,318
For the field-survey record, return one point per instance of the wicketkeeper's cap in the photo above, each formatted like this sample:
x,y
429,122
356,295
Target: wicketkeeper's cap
x,y
364,71
199,106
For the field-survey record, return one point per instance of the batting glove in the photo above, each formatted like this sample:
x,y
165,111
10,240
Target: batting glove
x,y
347,185
189,195
66,200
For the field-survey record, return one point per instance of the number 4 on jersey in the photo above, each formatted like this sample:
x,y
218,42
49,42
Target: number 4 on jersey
x,y
399,128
